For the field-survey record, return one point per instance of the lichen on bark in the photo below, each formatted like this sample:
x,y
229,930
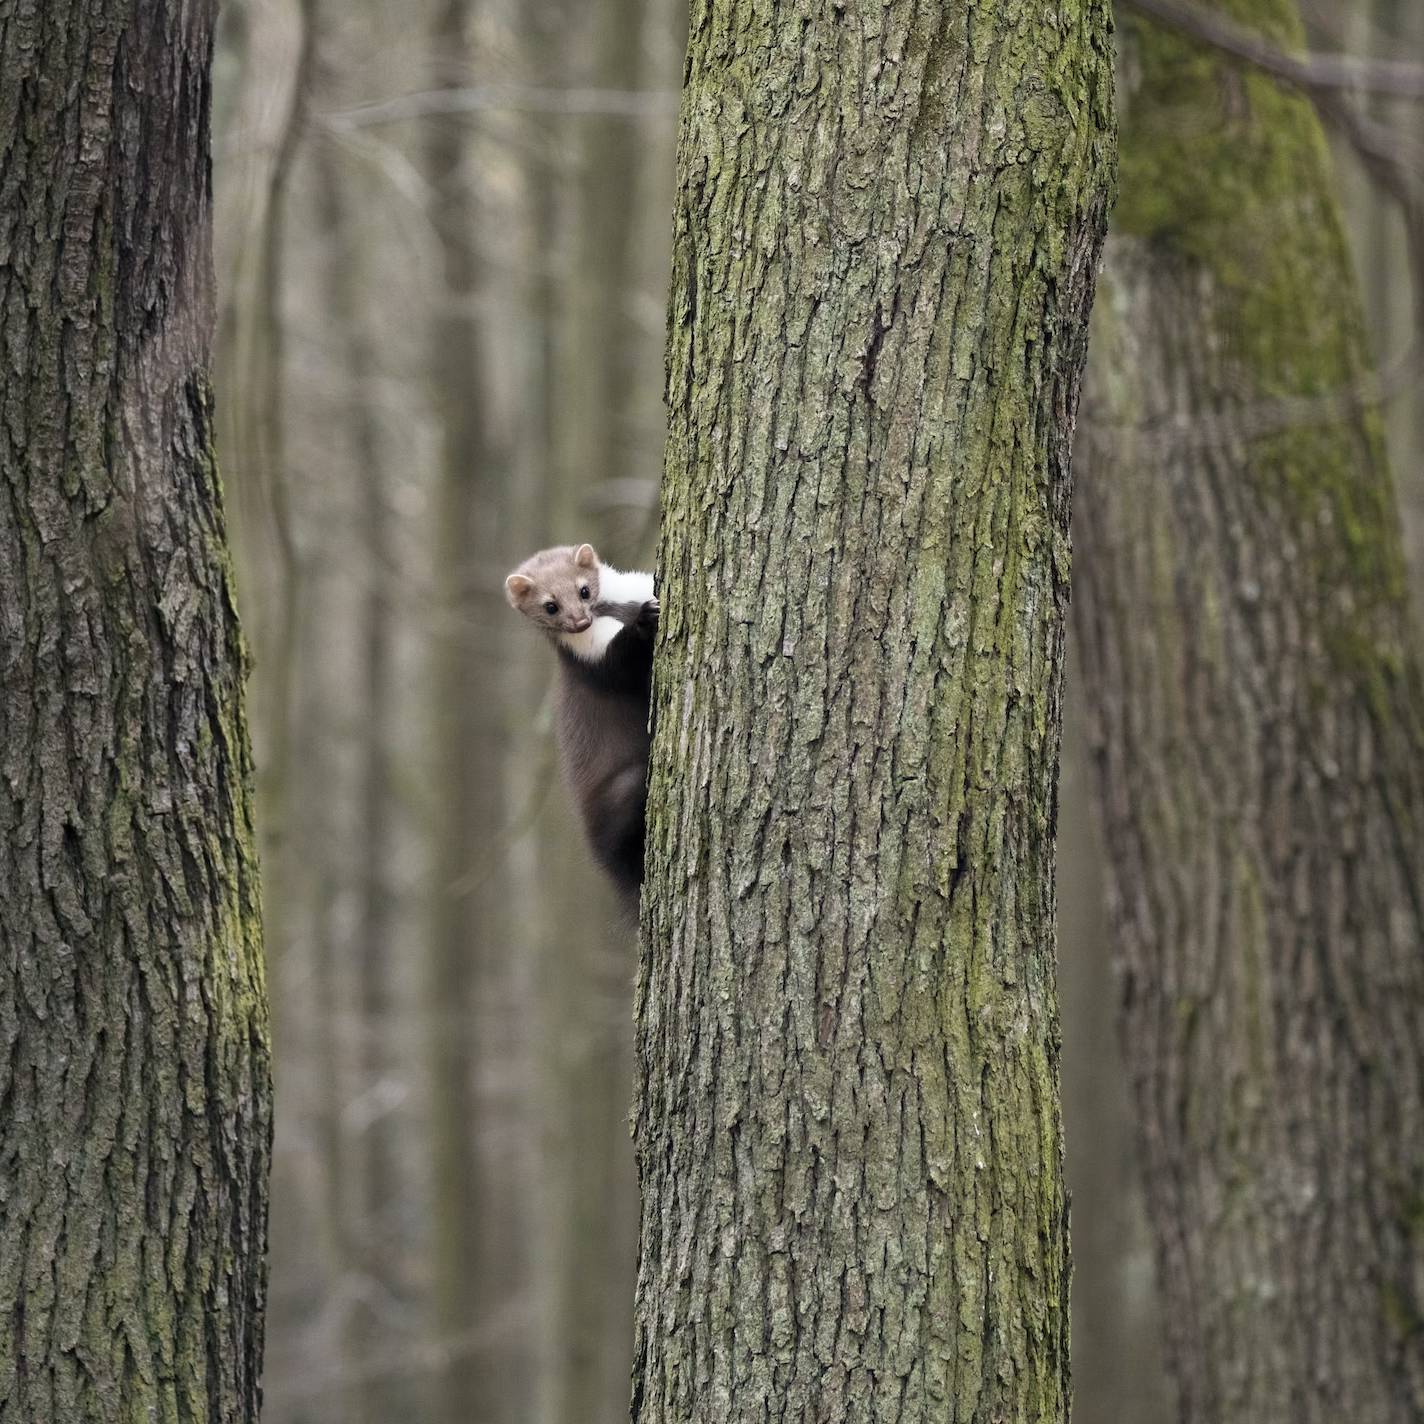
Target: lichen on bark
x,y
135,1104
848,1128
1255,697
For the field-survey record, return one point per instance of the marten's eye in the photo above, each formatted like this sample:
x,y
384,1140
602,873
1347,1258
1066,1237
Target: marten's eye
x,y
551,607
583,592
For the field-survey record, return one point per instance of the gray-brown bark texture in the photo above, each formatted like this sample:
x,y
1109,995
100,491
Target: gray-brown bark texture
x,y
848,1130
1256,707
135,1109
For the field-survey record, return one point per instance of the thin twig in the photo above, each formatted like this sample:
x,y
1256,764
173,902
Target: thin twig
x,y
1391,168
1178,431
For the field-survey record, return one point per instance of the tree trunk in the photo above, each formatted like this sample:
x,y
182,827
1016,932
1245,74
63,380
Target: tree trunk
x,y
1399,26
600,364
134,1091
1119,1369
592,1193
267,485
848,1132
478,1231
1256,720
365,1220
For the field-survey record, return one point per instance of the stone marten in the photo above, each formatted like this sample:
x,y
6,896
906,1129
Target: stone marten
x,y
601,622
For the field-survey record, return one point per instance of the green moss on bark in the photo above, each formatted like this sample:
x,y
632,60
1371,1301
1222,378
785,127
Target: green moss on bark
x,y
1226,170
848,1129
135,1101
1256,707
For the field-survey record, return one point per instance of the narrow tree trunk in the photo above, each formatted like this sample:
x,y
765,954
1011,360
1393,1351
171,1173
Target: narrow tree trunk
x,y
477,1228
1389,29
135,1107
1119,1369
600,366
267,483
366,1224
589,978
1257,722
848,1131
1400,24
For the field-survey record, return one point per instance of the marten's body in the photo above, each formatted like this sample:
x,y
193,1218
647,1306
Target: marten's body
x,y
601,622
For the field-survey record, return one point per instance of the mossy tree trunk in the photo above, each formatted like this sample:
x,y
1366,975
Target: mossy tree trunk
x,y
1256,709
848,1130
135,1107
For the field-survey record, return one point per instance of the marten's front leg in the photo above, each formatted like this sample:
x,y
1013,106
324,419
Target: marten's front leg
x,y
628,663
642,616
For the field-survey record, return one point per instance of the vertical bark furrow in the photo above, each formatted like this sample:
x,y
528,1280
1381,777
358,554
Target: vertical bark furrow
x,y
848,1134
134,1076
1256,712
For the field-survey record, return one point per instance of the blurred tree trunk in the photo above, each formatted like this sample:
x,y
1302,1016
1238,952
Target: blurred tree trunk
x,y
556,882
275,587
261,55
267,383
255,376
848,1128
254,437
134,1077
601,355
481,1282
1119,1373
1399,29
1256,710
1388,29
588,984
364,1219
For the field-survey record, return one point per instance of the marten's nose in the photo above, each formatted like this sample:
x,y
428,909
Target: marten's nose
x,y
581,624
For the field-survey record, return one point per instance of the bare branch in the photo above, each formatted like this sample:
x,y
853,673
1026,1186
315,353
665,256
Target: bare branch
x,y
1181,431
1394,169
1317,73
1327,80
513,98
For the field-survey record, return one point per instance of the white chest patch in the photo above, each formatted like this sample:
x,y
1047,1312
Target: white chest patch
x,y
592,643
614,586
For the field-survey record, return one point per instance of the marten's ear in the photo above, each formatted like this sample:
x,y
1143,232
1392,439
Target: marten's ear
x,y
585,558
516,588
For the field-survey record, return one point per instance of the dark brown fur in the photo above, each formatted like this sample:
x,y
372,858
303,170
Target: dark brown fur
x,y
603,733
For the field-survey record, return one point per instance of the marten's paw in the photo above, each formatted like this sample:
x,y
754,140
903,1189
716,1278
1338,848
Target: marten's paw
x,y
648,616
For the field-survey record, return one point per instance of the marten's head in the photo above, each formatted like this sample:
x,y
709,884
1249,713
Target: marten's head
x,y
557,588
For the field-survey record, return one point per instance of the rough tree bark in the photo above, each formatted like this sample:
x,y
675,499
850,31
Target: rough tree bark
x,y
135,1108
1257,723
887,227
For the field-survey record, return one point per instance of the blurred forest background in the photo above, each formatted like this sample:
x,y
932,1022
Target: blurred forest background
x,y
443,230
